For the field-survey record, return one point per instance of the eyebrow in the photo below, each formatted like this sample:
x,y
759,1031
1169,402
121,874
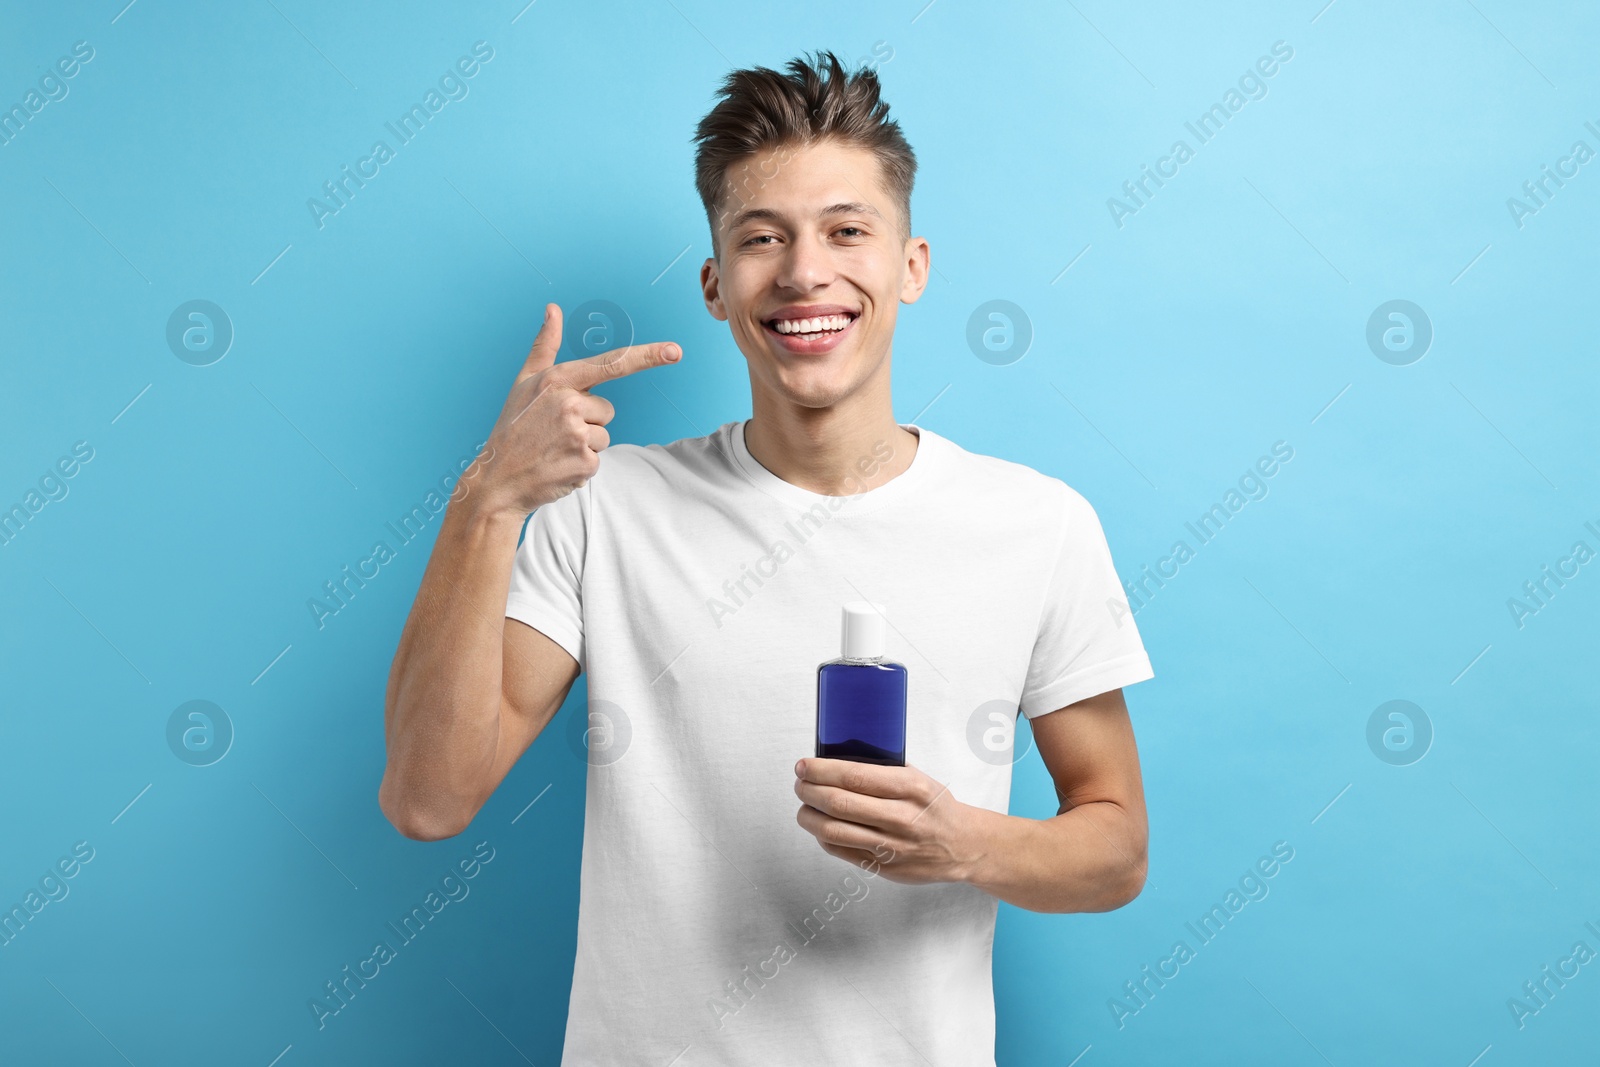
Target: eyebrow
x,y
854,207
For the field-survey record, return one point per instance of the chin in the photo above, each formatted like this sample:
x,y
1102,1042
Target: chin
x,y
813,390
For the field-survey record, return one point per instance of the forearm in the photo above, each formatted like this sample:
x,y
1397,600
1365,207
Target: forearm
x,y
443,708
1089,858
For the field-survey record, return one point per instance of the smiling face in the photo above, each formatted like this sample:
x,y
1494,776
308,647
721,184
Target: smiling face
x,y
811,271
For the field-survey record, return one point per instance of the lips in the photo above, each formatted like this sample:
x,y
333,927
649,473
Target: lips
x,y
810,329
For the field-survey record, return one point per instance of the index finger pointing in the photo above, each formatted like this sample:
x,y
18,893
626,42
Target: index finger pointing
x,y
591,371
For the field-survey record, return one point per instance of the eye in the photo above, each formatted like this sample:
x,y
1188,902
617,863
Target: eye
x,y
759,237
856,230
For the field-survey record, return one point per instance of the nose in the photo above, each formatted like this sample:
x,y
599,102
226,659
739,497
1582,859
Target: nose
x,y
806,264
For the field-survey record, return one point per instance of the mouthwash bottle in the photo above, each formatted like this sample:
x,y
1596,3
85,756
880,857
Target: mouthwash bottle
x,y
861,697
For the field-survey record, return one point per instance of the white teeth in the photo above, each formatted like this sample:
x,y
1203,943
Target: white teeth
x,y
825,323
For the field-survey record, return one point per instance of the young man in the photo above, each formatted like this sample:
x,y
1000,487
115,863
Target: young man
x,y
700,583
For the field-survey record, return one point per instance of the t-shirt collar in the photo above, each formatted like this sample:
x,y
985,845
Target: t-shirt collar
x,y
898,487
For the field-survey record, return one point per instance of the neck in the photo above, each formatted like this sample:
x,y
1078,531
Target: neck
x,y
835,451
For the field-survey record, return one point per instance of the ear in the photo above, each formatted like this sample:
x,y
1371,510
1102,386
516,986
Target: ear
x,y
916,274
711,290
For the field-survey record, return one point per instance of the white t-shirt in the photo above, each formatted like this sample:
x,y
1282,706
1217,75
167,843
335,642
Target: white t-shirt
x,y
700,592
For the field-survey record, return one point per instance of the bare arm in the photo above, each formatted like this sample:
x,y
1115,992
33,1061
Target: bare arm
x,y
470,689
1092,855
901,823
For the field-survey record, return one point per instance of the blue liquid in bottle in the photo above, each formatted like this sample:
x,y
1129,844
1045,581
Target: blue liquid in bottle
x,y
861,697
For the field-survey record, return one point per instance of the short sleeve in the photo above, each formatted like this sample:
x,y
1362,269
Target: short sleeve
x,y
547,575
1087,642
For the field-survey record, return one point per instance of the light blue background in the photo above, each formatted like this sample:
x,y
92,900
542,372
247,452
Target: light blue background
x,y
1228,314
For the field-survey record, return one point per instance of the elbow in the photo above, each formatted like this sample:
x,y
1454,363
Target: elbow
x,y
417,821
1133,879
421,828
1121,883
1135,886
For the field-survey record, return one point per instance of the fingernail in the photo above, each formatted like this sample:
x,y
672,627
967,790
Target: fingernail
x,y
547,313
800,768
670,353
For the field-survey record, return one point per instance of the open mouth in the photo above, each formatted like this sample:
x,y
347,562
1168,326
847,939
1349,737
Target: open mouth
x,y
812,328
812,335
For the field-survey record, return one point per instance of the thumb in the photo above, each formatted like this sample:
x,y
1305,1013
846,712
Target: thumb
x,y
545,345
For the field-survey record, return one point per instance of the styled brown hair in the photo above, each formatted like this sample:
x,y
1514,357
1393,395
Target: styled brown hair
x,y
761,108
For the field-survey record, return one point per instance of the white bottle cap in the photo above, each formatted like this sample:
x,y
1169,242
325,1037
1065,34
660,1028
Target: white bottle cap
x,y
865,630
